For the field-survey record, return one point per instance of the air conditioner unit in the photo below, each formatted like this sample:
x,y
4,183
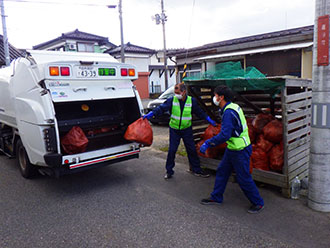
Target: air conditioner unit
x,y
72,46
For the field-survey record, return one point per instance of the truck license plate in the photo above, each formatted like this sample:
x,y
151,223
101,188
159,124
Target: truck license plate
x,y
86,72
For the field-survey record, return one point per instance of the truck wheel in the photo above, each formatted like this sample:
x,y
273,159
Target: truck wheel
x,y
27,169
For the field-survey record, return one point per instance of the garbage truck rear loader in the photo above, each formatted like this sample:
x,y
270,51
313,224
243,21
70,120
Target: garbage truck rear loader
x,y
44,95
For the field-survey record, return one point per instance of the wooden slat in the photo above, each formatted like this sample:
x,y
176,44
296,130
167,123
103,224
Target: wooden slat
x,y
198,122
299,163
299,156
298,133
297,172
298,82
298,96
299,114
209,162
202,105
300,176
298,150
296,124
199,130
285,131
197,137
297,105
299,142
269,177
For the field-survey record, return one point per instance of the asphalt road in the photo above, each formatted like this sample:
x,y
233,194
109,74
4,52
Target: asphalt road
x,y
129,204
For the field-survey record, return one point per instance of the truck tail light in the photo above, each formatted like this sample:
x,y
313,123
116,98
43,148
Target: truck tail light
x,y
65,71
54,71
131,72
50,139
124,72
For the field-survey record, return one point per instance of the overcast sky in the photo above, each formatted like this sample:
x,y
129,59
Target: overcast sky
x,y
190,22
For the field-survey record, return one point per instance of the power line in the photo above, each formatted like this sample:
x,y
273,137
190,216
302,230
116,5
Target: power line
x,y
57,3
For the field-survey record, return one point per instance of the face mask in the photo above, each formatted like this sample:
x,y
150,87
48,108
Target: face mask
x,y
215,101
178,96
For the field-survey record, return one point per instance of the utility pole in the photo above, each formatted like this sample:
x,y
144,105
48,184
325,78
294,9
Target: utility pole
x,y
122,51
319,169
5,38
164,19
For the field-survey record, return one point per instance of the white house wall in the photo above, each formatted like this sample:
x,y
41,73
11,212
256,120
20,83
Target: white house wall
x,y
141,63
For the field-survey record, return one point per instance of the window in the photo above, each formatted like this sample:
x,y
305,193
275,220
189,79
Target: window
x,y
192,73
85,47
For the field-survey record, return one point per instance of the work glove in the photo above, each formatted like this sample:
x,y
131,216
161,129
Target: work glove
x,y
212,122
204,147
148,116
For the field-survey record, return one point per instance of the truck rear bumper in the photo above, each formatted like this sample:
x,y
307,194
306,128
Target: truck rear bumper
x,y
103,159
87,159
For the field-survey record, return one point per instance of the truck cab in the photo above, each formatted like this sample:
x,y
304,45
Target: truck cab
x,y
48,93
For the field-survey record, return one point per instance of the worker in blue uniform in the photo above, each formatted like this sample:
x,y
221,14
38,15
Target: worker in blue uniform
x,y
181,108
234,132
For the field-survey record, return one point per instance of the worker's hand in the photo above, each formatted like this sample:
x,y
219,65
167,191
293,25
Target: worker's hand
x,y
212,122
204,147
148,116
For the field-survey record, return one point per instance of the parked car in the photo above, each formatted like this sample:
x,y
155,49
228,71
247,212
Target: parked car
x,y
165,118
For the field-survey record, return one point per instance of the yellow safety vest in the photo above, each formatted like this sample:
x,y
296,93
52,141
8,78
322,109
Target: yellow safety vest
x,y
239,143
180,120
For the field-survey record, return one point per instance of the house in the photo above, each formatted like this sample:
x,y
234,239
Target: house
x,y
149,62
150,67
286,52
77,41
13,52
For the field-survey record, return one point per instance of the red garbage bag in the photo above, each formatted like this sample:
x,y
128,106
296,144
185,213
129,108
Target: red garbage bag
x,y
211,131
264,144
252,133
273,131
212,152
251,166
140,131
260,121
259,159
276,158
75,141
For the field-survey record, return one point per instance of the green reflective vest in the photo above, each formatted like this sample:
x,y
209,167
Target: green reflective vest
x,y
180,120
243,140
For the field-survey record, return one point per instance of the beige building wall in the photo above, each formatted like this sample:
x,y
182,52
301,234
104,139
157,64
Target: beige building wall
x,y
306,64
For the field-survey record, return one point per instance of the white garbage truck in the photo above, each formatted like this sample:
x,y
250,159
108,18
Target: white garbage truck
x,y
46,93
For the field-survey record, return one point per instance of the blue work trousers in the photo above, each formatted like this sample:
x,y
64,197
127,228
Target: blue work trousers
x,y
188,140
240,161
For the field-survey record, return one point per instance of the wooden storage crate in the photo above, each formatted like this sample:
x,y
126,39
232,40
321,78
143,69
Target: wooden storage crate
x,y
292,105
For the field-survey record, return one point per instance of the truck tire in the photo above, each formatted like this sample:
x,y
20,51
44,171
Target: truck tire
x,y
27,169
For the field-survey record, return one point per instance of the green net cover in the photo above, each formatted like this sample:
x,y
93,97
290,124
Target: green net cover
x,y
234,76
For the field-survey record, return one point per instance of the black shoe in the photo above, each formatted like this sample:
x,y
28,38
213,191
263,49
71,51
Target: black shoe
x,y
209,201
254,209
201,174
168,176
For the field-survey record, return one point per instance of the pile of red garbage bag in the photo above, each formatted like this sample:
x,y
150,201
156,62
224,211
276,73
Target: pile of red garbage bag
x,y
267,148
266,136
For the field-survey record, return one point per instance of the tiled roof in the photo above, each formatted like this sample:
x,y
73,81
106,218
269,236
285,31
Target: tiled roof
x,y
130,48
260,37
13,52
78,35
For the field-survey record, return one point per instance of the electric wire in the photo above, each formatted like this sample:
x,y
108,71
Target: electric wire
x,y
189,34
57,3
